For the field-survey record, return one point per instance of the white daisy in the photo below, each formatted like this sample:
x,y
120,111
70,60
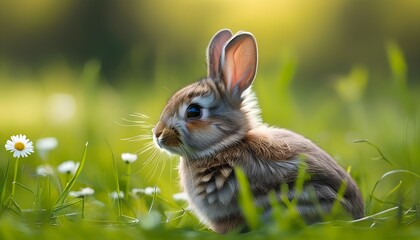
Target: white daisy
x,y
82,193
68,167
44,170
136,191
75,194
147,191
181,196
115,195
45,145
19,146
151,190
128,157
87,191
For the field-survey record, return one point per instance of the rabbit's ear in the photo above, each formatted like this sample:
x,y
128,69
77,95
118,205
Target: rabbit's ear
x,y
239,63
214,51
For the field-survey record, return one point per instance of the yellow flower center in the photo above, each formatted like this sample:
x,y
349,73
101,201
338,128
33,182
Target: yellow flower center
x,y
19,146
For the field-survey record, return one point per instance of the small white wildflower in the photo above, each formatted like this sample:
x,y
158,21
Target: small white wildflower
x,y
44,145
44,170
129,157
75,194
87,191
181,196
82,193
19,146
114,195
151,190
136,191
68,167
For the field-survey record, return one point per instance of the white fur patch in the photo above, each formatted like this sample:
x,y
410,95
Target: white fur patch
x,y
182,109
251,108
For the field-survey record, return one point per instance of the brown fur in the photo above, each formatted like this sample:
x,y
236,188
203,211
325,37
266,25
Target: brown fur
x,y
207,179
230,134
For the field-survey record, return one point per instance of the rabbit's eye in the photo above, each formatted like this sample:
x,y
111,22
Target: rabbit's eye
x,y
194,111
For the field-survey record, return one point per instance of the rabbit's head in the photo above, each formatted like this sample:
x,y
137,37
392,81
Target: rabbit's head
x,y
218,110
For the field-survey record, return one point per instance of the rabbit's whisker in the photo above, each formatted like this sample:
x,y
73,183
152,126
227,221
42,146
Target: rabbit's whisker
x,y
154,167
151,157
144,149
139,138
139,115
148,160
162,168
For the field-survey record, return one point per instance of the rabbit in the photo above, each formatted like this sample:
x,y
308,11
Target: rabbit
x,y
214,125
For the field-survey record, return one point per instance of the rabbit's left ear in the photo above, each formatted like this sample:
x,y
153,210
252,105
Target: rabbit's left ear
x,y
214,51
239,63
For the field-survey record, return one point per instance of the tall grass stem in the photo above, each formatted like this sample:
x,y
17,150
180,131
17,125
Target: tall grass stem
x,y
128,175
83,207
14,178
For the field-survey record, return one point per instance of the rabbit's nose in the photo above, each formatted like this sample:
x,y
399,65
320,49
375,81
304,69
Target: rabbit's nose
x,y
157,134
158,129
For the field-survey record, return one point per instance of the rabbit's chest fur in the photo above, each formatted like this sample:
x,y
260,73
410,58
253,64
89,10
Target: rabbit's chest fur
x,y
211,185
212,191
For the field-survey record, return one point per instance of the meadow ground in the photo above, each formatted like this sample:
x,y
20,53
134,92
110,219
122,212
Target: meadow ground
x,y
370,126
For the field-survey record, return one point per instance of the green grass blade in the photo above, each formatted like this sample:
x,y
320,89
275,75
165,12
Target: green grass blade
x,y
375,147
337,208
40,188
13,205
3,185
153,199
117,182
24,187
246,200
275,208
301,178
397,63
72,181
385,175
284,190
394,189
67,204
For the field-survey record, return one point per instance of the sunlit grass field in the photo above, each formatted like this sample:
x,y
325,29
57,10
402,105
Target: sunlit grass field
x,y
370,126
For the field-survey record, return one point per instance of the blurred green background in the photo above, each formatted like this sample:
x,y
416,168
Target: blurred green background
x,y
334,71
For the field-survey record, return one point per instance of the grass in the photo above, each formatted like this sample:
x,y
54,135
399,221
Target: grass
x,y
386,166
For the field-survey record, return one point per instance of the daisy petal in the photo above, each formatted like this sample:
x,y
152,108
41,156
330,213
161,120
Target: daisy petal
x,y
19,145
